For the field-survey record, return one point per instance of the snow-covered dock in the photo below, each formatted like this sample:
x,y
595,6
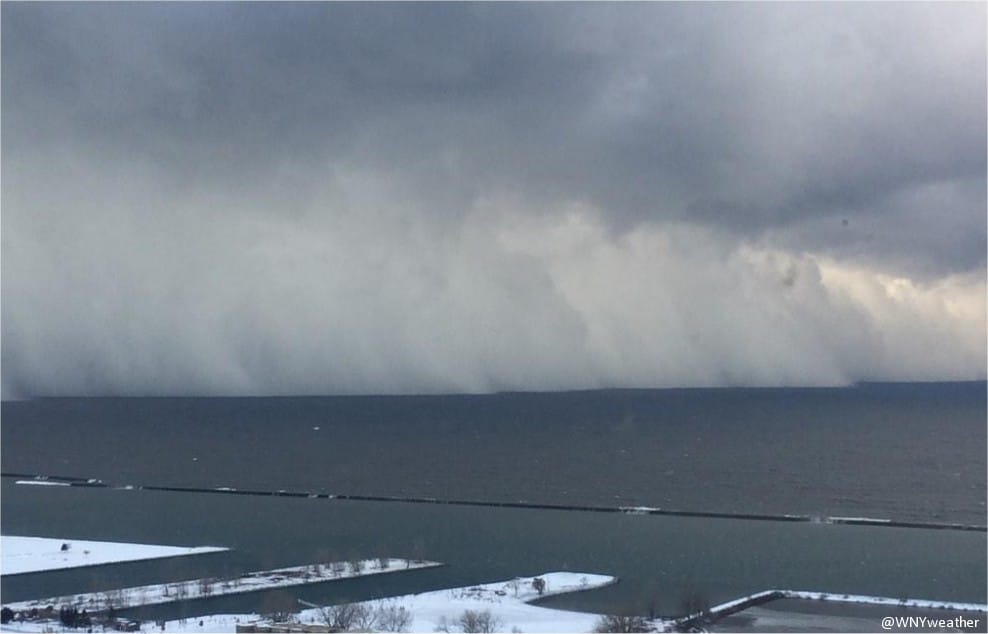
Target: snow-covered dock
x,y
734,606
20,555
161,593
925,604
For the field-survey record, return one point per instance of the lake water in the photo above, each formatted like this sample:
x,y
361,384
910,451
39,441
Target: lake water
x,y
912,452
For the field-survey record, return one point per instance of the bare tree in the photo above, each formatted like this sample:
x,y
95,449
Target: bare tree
x,y
278,606
391,617
366,620
696,610
622,623
356,566
478,621
344,617
113,599
539,584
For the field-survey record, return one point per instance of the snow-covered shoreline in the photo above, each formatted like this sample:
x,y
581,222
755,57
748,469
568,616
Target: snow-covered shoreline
x,y
509,604
157,594
22,555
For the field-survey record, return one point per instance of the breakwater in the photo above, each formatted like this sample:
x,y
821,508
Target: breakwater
x,y
204,588
77,481
761,598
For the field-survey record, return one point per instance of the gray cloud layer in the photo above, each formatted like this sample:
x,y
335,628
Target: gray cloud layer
x,y
288,198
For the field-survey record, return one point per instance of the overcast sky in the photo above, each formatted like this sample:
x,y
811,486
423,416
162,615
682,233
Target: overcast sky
x,y
378,198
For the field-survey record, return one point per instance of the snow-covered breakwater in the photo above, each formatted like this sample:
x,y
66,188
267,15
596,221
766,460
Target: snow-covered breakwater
x,y
161,593
734,606
926,604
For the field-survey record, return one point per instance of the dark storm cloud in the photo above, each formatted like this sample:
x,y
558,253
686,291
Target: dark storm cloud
x,y
744,116
184,184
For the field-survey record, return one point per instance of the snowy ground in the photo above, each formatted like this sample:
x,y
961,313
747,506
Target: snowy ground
x,y
35,554
507,601
157,594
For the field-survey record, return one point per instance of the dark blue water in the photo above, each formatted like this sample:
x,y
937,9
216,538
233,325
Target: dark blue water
x,y
913,452
910,451
659,559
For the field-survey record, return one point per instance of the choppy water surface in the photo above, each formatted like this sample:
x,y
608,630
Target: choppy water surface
x,y
912,452
907,452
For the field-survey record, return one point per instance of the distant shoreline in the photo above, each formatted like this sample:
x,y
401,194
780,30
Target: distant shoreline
x,y
495,393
